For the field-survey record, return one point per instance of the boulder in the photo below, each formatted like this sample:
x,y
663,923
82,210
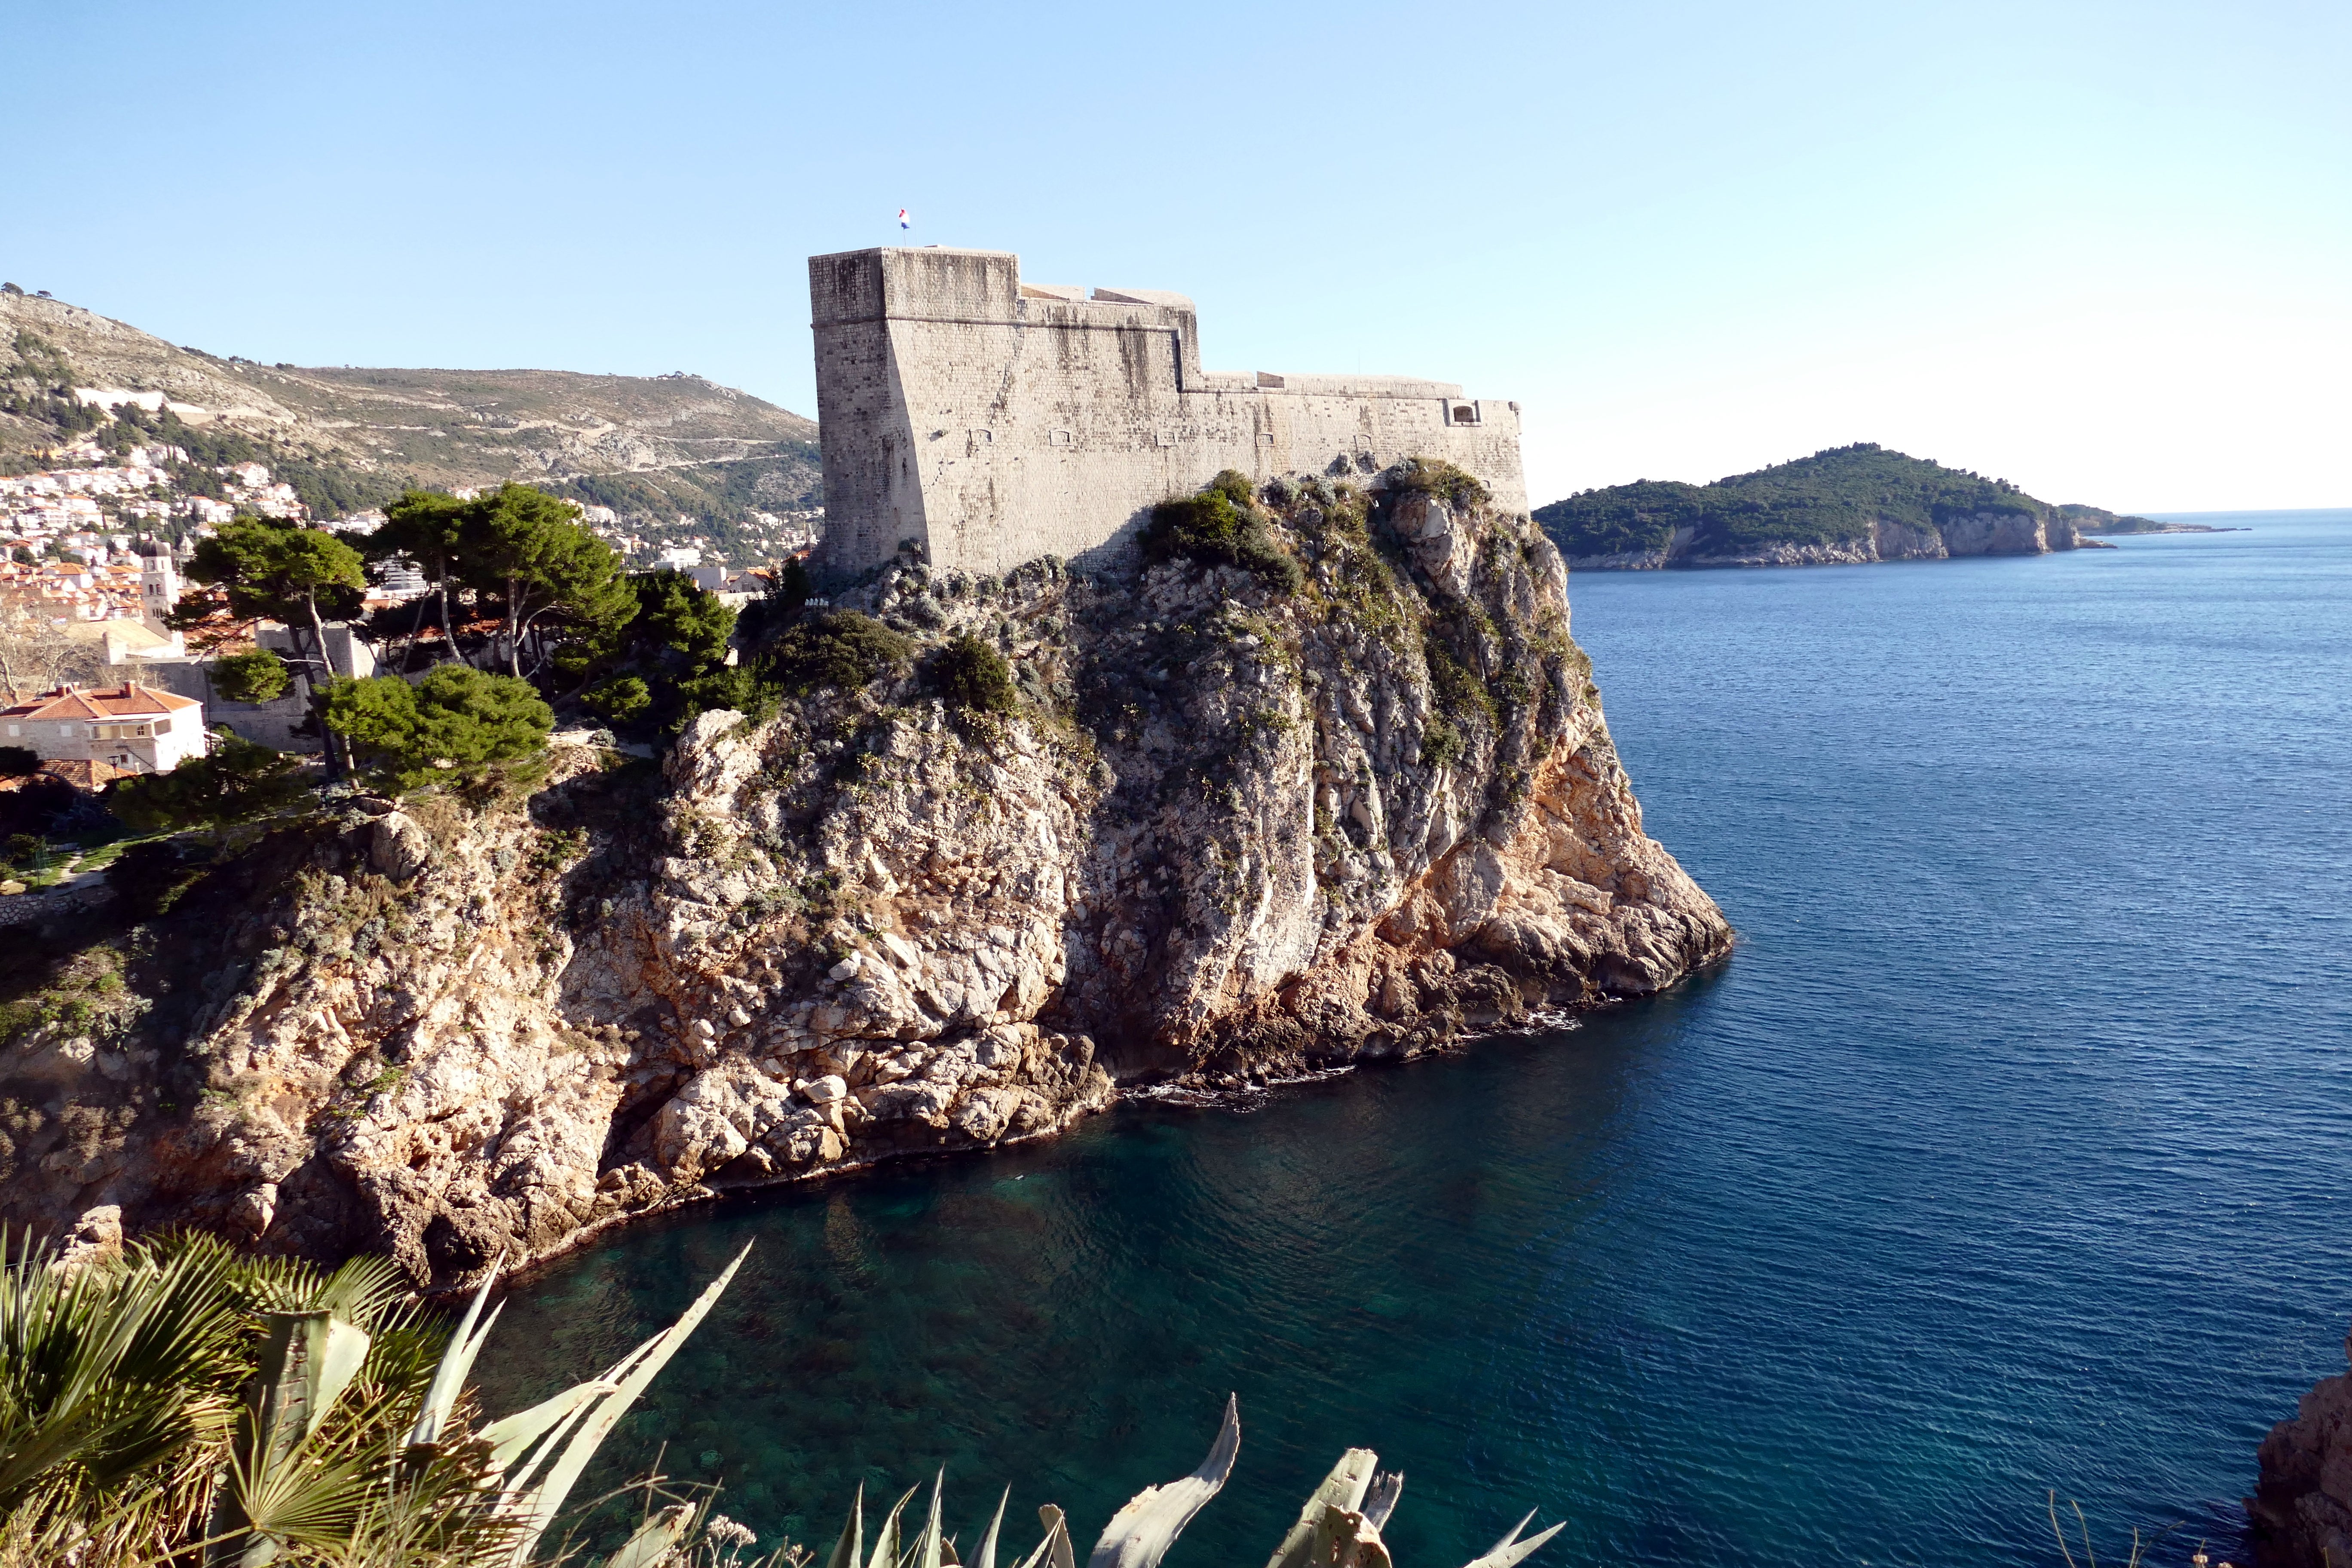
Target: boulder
x,y
398,847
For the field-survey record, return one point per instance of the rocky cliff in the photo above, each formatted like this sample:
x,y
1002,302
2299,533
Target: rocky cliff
x,y
1230,830
2302,1506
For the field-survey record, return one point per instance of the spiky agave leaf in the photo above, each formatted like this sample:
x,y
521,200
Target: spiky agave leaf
x,y
885,1540
1054,1551
507,1438
275,1493
986,1556
651,1543
1344,1487
449,1377
1345,1538
929,1551
1139,1534
1511,1550
1380,1497
852,1544
535,1508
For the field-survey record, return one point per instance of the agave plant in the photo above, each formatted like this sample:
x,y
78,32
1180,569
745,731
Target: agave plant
x,y
111,1382
119,1419
1339,1527
123,1440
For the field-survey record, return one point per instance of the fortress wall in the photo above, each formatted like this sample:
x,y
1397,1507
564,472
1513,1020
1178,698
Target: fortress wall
x,y
995,424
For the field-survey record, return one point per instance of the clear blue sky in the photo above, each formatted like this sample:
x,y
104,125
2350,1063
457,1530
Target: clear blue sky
x,y
2105,250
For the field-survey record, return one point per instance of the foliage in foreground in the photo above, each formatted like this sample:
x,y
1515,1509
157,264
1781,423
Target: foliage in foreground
x,y
181,1403
178,1403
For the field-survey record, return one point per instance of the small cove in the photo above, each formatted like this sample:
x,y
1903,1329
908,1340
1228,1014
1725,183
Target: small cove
x,y
2008,1154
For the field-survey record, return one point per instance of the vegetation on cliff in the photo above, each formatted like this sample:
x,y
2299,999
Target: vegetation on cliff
x,y
1222,526
457,719
2098,520
1832,497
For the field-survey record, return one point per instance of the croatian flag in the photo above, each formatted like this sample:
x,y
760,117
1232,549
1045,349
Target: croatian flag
x,y
904,222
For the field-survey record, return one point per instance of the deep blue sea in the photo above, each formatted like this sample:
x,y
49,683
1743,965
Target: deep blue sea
x,y
2012,1152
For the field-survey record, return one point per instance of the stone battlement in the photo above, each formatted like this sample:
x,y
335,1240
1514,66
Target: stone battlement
x,y
992,421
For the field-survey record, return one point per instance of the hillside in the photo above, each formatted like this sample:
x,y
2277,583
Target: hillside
x,y
649,446
1848,503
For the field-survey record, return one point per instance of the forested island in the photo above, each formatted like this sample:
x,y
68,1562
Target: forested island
x,y
1853,503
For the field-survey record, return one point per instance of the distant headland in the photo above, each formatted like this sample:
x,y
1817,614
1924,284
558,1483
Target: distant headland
x,y
1845,504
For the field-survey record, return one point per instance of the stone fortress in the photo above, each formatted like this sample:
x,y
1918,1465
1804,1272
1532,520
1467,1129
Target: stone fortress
x,y
991,420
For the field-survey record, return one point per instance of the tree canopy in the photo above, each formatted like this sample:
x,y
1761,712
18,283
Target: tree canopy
x,y
525,554
257,674
263,568
546,569
668,660
234,781
457,719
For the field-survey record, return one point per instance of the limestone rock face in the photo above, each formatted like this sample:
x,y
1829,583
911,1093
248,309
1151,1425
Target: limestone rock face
x,y
1231,830
398,848
2302,1506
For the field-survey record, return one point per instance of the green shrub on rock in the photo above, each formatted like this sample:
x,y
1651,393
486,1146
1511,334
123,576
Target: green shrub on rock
x,y
1231,484
1457,487
971,675
236,782
843,650
1220,527
457,718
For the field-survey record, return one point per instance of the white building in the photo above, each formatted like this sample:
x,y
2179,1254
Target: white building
x,y
403,581
132,727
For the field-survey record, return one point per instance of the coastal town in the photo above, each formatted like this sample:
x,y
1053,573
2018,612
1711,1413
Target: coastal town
x,y
97,683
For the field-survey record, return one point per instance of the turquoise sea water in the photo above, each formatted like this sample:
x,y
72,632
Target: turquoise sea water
x,y
2013,1150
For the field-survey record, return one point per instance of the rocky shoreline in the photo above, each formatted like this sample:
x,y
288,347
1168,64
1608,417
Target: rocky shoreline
x,y
1232,831
1989,533
2301,1506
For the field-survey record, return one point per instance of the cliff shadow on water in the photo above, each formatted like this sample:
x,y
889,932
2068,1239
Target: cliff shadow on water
x,y
1324,781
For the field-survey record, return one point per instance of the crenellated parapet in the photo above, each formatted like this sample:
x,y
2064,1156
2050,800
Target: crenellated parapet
x,y
992,421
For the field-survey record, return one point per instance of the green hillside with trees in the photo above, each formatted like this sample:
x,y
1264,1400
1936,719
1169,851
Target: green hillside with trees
x,y
1834,495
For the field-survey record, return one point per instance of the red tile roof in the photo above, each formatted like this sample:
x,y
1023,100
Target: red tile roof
x,y
127,701
85,775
